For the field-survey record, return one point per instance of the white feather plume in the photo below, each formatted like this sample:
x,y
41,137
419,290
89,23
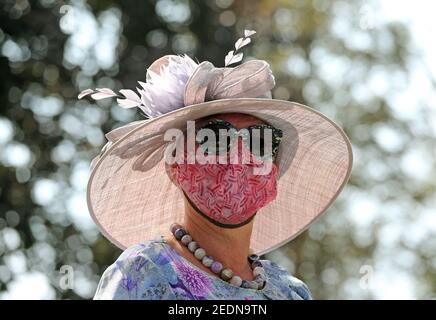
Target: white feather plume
x,y
162,93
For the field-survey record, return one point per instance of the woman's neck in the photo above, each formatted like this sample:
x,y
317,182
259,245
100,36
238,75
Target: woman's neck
x,y
229,246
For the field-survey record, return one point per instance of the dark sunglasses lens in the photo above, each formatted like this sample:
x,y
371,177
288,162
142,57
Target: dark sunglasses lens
x,y
259,136
257,143
221,137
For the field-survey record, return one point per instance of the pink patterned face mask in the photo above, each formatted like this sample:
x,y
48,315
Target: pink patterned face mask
x,y
228,195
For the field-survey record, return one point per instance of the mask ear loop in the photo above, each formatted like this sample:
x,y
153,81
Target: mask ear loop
x,y
219,224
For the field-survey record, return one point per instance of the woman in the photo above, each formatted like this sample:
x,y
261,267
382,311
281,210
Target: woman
x,y
194,229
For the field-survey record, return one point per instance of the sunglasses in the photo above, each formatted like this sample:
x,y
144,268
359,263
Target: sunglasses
x,y
255,138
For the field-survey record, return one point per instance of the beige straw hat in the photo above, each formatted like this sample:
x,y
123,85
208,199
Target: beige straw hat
x,y
131,198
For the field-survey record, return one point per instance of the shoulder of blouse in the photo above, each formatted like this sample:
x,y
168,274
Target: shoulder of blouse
x,y
292,287
134,275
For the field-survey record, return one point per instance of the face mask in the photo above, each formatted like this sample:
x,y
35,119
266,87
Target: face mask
x,y
228,195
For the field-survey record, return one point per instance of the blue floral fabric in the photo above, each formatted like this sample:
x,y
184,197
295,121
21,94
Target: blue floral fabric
x,y
155,271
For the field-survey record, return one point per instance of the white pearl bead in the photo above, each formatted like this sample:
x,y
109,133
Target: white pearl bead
x,y
186,239
236,281
199,253
207,261
192,246
258,271
226,274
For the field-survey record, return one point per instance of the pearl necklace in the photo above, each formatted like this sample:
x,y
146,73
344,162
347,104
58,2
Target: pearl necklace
x,y
225,273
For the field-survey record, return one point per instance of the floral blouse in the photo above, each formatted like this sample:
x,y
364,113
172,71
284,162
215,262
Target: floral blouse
x,y
155,271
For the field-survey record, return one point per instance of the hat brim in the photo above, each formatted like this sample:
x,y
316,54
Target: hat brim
x,y
315,159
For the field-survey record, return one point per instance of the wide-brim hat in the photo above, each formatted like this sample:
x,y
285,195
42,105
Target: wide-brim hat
x,y
132,199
